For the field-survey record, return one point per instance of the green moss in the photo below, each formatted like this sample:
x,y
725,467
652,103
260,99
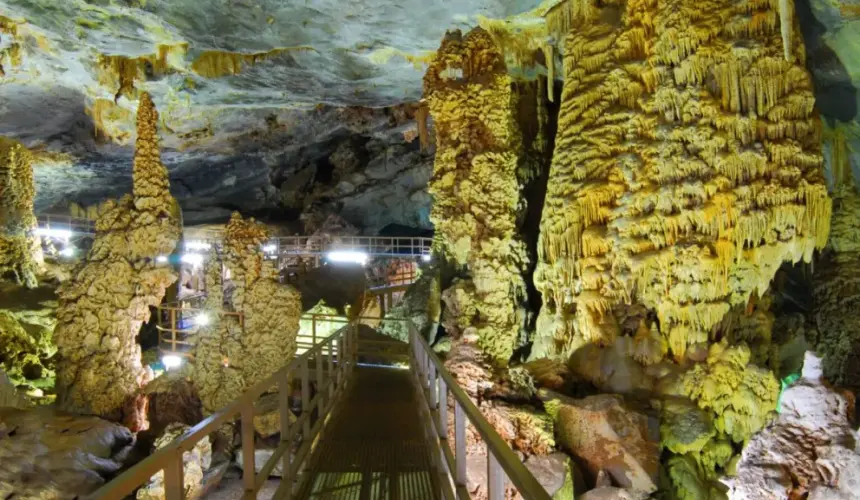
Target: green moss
x,y
567,490
688,482
684,427
87,23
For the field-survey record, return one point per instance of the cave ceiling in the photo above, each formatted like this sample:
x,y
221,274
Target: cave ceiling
x,y
249,91
274,106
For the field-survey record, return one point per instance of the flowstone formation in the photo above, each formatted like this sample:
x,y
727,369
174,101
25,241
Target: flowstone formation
x,y
20,247
103,307
810,451
836,290
254,335
687,167
476,191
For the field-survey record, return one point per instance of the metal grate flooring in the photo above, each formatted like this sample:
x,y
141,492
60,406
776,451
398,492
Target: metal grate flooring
x,y
374,448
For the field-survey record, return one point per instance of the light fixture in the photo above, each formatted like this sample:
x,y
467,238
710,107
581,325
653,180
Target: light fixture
x,y
171,361
161,259
195,259
201,319
68,251
426,257
270,248
197,245
348,256
63,234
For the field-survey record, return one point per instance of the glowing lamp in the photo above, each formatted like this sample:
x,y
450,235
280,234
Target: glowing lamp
x,y
68,252
426,257
171,361
352,257
197,245
201,319
270,248
161,259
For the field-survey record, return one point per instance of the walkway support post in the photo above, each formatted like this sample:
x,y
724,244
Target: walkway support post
x,y
249,469
174,487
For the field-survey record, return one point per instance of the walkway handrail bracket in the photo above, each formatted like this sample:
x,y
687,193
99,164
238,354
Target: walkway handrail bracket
x,y
436,383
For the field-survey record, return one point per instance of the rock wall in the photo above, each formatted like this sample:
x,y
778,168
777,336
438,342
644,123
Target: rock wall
x,y
475,189
810,450
687,166
20,247
103,307
232,354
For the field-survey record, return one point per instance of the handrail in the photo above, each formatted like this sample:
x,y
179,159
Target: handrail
x,y
502,464
329,389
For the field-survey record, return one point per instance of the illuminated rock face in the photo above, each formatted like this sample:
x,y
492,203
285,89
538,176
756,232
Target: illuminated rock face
x,y
232,355
20,248
687,167
475,186
103,307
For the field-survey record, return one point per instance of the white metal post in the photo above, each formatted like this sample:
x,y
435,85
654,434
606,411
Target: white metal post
x,y
496,477
460,444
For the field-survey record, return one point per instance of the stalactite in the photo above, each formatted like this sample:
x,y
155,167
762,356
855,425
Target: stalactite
x,y
686,169
219,63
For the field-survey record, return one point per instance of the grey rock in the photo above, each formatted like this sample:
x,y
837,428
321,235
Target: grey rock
x,y
549,470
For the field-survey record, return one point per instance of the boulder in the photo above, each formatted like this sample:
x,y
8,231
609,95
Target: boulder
x,y
809,450
9,397
421,305
47,454
606,434
172,399
262,454
195,463
551,471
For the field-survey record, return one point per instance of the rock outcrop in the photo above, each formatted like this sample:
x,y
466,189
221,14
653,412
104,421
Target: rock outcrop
x,y
103,307
607,435
195,463
20,246
255,334
44,454
687,166
810,451
421,305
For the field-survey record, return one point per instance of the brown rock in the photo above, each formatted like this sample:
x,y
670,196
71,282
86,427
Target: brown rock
x,y
608,435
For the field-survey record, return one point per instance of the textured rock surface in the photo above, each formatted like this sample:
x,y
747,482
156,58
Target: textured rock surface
x,y
20,247
810,449
421,305
605,434
195,463
51,455
475,186
232,354
9,397
103,307
687,166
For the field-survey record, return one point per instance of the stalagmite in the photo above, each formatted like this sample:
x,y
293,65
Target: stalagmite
x,y
103,307
256,334
687,168
20,248
476,189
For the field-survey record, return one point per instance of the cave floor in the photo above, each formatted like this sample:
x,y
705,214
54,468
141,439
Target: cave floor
x,y
374,447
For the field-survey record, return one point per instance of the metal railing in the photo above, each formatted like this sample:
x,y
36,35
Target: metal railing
x,y
503,465
78,226
375,246
177,324
332,370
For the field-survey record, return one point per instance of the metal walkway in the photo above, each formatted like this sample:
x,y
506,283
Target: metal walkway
x,y
363,433
374,448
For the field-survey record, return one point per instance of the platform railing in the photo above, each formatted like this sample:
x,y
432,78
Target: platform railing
x,y
77,225
333,360
503,466
178,324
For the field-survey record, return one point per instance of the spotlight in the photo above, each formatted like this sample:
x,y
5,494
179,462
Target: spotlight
x,y
354,257
197,245
426,257
195,259
171,361
63,234
161,259
68,252
201,319
270,248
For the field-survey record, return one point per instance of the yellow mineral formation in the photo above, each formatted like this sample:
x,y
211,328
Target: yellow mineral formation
x,y
687,166
475,185
218,63
20,248
255,334
103,307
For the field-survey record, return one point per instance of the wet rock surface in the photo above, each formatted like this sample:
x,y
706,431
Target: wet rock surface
x,y
47,454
